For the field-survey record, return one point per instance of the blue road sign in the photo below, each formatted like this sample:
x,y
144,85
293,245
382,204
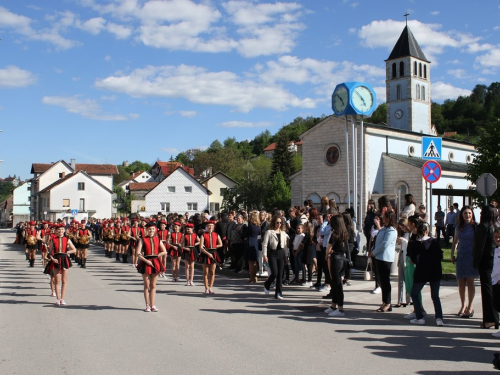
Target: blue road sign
x,y
431,171
431,148
74,212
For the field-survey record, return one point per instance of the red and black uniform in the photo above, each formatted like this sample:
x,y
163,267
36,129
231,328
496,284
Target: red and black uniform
x,y
151,249
176,240
31,232
60,248
125,229
163,236
210,244
41,245
82,232
136,232
117,232
189,242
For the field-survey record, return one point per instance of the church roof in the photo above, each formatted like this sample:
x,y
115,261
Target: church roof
x,y
446,165
407,46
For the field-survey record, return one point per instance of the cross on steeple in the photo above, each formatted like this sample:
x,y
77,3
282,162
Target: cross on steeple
x,y
406,15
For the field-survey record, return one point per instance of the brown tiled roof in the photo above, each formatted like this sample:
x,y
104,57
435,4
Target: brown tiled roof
x,y
97,168
142,185
40,168
271,147
135,174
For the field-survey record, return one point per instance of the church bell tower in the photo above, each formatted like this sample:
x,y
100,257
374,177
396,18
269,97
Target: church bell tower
x,y
408,91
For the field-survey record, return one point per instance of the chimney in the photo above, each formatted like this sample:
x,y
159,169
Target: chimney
x,y
73,164
62,174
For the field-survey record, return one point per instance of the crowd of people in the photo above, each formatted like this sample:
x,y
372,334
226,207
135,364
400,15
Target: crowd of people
x,y
290,248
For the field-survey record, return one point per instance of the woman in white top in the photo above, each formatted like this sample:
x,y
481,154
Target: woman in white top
x,y
273,250
409,207
401,245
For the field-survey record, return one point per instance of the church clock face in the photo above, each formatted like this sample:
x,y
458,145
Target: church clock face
x,y
398,114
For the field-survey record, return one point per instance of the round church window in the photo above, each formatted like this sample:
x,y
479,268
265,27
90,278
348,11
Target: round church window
x,y
332,155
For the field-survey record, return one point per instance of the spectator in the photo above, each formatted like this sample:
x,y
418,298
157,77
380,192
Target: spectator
x,y
409,207
439,218
451,219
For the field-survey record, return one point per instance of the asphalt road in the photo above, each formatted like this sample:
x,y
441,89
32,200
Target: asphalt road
x,y
239,330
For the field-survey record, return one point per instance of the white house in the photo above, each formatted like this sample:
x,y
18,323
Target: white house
x,y
48,174
136,177
179,192
76,191
21,201
217,184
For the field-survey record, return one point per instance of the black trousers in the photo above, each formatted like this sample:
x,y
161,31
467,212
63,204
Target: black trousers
x,y
322,267
337,266
384,279
276,264
238,250
490,315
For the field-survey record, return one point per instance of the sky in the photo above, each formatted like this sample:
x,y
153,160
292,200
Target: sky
x,y
110,81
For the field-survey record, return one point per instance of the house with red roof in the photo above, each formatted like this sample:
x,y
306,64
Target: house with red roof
x,y
162,169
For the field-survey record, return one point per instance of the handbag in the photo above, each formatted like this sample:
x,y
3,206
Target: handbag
x,y
369,270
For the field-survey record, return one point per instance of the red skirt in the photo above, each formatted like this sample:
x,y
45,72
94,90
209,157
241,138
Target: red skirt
x,y
175,253
204,259
190,256
144,268
64,263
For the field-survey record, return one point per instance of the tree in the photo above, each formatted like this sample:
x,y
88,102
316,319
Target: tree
x,y
123,201
278,193
260,142
6,188
138,166
282,157
123,175
379,116
487,158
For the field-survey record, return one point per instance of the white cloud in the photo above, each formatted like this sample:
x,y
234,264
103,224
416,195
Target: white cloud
x,y
443,91
119,31
94,25
430,38
58,71
170,150
198,85
490,59
244,124
22,26
435,13
187,113
75,79
454,62
84,107
107,58
12,76
458,73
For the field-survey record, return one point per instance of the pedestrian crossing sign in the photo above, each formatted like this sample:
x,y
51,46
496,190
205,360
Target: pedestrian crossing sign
x,y
431,148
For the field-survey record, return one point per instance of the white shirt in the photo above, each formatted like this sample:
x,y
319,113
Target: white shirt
x,y
297,240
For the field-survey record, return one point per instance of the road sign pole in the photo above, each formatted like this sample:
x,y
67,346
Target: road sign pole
x,y
430,211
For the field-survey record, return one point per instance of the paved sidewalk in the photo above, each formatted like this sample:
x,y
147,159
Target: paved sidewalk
x,y
103,329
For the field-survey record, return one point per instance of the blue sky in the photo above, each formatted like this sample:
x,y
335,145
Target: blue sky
x,y
108,81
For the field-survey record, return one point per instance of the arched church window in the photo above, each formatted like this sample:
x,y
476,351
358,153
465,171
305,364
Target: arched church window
x,y
315,198
401,69
398,92
449,199
401,191
415,68
418,92
420,70
425,71
393,70
423,93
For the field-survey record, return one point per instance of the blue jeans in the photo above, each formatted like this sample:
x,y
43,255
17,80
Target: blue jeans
x,y
417,304
298,266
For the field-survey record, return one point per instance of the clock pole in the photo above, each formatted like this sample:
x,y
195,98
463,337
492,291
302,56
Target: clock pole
x,y
347,162
361,178
354,166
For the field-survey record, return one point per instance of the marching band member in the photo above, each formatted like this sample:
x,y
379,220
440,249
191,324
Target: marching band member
x,y
210,241
117,239
136,232
163,236
188,254
42,243
71,234
106,239
82,244
30,237
125,239
150,249
60,262
175,250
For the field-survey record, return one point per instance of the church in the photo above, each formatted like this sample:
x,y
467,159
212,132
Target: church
x,y
389,157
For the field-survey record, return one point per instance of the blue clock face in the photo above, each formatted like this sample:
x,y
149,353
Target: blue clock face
x,y
362,98
340,100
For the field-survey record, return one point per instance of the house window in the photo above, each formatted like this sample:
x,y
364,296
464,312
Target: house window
x,y
415,68
401,69
425,71
165,206
188,189
65,202
214,207
171,189
420,70
28,188
81,186
398,92
393,70
192,206
81,207
418,92
423,93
